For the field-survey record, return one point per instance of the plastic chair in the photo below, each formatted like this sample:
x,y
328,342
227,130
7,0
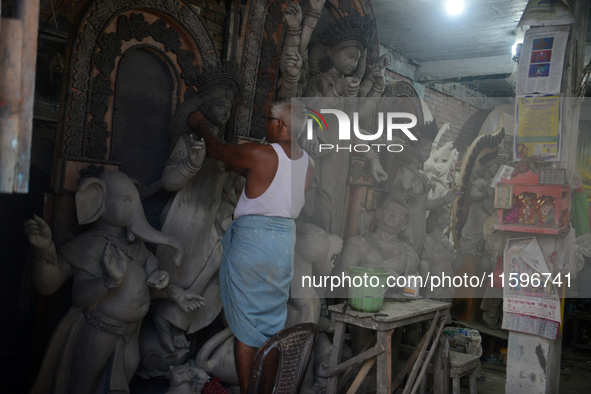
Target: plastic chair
x,y
295,345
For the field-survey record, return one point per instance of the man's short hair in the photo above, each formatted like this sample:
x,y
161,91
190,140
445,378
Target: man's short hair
x,y
291,113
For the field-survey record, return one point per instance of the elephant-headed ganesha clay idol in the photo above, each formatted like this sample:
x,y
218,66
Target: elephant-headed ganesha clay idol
x,y
95,346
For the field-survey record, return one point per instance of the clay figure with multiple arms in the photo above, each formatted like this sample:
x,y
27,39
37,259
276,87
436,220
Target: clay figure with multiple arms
x,y
294,57
437,255
343,49
412,184
198,213
481,207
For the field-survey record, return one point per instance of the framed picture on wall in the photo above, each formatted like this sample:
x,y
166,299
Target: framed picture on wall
x,y
503,196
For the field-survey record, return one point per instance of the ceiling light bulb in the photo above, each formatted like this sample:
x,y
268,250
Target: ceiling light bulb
x,y
514,48
454,7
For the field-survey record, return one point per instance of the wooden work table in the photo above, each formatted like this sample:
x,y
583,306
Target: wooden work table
x,y
394,314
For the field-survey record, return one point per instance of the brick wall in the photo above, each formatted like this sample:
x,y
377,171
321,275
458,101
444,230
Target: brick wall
x,y
464,119
214,14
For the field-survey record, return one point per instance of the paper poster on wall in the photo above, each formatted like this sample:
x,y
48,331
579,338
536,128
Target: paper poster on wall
x,y
546,13
531,303
538,124
542,60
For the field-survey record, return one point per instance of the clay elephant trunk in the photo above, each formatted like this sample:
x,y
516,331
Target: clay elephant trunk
x,y
114,199
140,228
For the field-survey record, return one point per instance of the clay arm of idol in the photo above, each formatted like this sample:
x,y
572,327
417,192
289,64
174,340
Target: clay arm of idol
x,y
89,290
186,160
50,270
310,20
446,199
290,62
372,157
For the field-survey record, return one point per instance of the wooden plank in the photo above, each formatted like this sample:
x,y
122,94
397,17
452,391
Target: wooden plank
x,y
438,383
335,356
444,357
361,375
11,36
393,314
358,359
384,367
345,378
27,11
417,364
409,363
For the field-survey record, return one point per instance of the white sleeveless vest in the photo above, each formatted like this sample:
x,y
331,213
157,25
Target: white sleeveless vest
x,y
285,196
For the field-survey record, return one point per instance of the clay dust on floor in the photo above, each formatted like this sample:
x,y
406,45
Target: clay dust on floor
x,y
575,375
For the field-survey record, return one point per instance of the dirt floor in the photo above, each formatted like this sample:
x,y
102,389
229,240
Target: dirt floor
x,y
575,375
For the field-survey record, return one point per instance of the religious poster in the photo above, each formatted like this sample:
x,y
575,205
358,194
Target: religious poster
x,y
538,125
503,197
531,303
542,60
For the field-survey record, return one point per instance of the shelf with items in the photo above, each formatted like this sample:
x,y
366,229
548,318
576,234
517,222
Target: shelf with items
x,y
525,205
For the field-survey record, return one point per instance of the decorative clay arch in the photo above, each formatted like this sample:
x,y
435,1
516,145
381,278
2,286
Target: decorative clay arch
x,y
105,31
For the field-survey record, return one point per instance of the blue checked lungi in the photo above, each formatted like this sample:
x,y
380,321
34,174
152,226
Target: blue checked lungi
x,y
255,275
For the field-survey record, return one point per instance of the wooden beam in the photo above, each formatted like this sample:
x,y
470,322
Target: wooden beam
x,y
27,11
409,363
432,351
419,361
361,375
358,359
10,100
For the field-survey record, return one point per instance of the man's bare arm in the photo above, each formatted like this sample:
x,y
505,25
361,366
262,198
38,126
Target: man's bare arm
x,y
245,156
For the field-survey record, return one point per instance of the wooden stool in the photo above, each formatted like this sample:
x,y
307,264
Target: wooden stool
x,y
461,364
393,315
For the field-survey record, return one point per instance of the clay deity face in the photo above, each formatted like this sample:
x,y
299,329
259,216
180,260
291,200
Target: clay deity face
x,y
218,111
443,220
422,150
392,217
120,201
344,59
491,169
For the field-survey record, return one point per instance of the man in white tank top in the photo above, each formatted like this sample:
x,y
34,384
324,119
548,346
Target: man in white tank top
x,y
258,247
